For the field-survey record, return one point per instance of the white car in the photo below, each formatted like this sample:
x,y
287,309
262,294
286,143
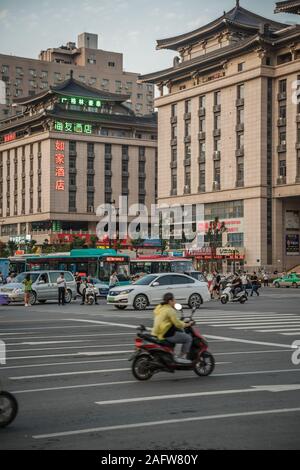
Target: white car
x,y
150,291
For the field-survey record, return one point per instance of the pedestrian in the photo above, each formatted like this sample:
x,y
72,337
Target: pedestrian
x,y
27,289
255,284
266,280
113,281
245,281
62,286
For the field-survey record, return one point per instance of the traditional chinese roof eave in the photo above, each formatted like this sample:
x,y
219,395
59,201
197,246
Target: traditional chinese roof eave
x,y
21,122
292,6
229,19
210,60
83,91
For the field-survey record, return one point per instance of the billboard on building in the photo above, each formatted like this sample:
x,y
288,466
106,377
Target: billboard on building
x,y
293,245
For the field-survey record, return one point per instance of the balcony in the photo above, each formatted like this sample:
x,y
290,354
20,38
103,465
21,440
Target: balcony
x,y
187,139
187,116
217,133
240,127
173,120
281,180
173,165
91,172
240,152
240,103
202,135
108,173
217,108
187,161
202,112
281,122
281,96
281,148
174,142
217,155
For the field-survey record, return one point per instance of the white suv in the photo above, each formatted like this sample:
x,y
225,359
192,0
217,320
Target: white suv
x,y
151,289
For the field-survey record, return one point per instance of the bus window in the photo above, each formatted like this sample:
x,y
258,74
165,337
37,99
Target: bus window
x,y
181,266
93,271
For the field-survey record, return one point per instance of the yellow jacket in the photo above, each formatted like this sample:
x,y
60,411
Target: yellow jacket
x,y
164,318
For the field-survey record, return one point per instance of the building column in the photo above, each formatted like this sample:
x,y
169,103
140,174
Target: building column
x,y
278,234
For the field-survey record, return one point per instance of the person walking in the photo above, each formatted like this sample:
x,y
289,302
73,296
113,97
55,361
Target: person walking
x,y
62,286
27,289
245,281
266,280
255,285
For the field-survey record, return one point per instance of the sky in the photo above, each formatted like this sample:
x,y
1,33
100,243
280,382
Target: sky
x,y
128,26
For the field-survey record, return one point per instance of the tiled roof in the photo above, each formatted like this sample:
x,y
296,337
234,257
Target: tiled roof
x,y
290,6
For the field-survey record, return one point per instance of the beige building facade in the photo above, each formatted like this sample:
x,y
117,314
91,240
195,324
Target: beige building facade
x,y
229,133
94,67
73,149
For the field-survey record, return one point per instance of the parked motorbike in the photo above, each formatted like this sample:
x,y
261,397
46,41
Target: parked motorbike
x,y
153,356
90,293
8,408
228,296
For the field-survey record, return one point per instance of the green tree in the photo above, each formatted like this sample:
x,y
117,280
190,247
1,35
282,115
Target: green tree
x,y
12,247
77,243
93,241
137,244
3,250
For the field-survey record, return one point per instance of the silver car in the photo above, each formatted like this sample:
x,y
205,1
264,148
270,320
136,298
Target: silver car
x,y
44,287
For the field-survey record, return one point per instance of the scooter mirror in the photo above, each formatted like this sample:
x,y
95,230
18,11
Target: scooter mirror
x,y
178,307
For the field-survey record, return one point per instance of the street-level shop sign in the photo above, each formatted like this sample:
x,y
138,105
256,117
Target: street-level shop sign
x,y
293,245
73,127
231,252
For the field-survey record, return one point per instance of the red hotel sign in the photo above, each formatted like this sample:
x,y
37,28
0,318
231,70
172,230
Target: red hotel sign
x,y
10,137
60,165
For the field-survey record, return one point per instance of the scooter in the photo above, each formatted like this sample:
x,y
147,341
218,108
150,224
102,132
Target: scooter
x,y
8,408
153,356
228,296
90,293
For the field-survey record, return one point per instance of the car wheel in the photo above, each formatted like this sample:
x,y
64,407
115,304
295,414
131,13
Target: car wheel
x,y
68,297
277,285
141,302
195,301
121,307
32,298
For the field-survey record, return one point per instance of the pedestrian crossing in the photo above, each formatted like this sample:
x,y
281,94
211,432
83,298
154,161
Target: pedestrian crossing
x,y
261,322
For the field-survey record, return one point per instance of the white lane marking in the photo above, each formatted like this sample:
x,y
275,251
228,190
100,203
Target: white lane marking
x,y
278,330
162,380
64,374
69,336
102,353
167,422
256,322
72,347
254,389
46,343
247,341
96,322
245,316
261,326
85,372
291,334
258,372
55,364
70,327
72,387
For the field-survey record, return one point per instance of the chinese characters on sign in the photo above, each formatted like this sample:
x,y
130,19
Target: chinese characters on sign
x,y
91,103
77,127
10,137
60,165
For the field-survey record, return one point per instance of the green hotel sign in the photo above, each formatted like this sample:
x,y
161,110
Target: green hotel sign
x,y
73,127
89,102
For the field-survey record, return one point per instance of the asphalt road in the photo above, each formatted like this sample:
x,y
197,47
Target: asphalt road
x,y
69,370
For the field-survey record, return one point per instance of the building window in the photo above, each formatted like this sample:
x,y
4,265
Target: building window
x,y
217,145
174,110
90,202
282,111
282,86
174,154
188,128
240,171
217,174
72,201
298,165
241,66
217,98
282,168
174,131
202,177
236,240
188,152
241,92
174,181
240,116
240,141
202,102
187,180
111,64
188,106
217,122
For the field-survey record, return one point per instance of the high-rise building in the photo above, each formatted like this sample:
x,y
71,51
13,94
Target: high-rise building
x,y
95,67
229,134
72,149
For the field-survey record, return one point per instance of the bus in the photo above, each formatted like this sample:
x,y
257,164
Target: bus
x,y
90,262
160,264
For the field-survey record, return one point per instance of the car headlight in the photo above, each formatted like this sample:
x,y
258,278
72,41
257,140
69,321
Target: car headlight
x,y
125,292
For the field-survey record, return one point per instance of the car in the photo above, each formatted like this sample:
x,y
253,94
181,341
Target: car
x,y
44,287
102,288
290,280
150,291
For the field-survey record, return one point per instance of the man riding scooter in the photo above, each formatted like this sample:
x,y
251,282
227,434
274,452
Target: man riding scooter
x,y
237,285
168,326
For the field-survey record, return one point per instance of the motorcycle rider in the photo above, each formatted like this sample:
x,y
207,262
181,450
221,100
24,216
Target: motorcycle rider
x,y
85,284
237,285
168,326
